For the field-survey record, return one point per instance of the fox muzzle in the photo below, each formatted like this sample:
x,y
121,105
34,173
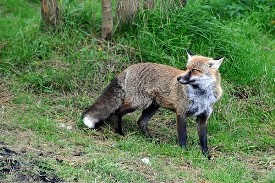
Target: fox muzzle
x,y
185,79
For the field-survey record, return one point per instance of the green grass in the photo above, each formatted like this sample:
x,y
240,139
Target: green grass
x,y
163,37
47,78
15,15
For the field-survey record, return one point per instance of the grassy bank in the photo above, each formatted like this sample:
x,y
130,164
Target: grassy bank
x,y
47,78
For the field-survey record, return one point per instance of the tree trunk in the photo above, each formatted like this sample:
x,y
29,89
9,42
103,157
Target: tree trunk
x,y
49,12
183,2
107,20
174,3
125,11
149,4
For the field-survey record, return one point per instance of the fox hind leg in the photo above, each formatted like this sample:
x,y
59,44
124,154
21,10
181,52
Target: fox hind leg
x,y
118,124
118,117
145,117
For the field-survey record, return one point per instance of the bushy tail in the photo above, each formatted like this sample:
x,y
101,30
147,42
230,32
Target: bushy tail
x,y
105,105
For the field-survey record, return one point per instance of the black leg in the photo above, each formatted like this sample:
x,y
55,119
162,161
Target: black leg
x,y
145,116
118,117
202,132
181,128
118,127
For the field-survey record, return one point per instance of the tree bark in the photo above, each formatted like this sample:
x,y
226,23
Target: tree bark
x,y
107,20
49,12
126,10
183,2
149,4
175,3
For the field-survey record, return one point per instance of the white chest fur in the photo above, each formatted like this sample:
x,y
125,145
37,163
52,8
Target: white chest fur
x,y
201,100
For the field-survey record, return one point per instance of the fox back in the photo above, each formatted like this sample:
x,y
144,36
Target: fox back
x,y
148,86
148,82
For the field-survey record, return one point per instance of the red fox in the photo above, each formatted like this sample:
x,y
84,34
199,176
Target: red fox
x,y
148,86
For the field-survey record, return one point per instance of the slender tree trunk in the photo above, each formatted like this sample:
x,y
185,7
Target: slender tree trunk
x,y
126,10
149,4
49,12
175,3
107,20
183,2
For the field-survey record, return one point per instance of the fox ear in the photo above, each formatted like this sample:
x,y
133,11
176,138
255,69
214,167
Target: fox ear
x,y
190,55
215,63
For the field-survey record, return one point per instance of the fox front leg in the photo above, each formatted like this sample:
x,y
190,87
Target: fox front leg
x,y
202,132
181,128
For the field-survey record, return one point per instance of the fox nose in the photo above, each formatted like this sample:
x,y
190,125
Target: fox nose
x,y
183,80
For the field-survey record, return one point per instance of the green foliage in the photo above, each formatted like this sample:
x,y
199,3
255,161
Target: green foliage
x,y
14,15
65,59
83,17
260,13
48,77
163,37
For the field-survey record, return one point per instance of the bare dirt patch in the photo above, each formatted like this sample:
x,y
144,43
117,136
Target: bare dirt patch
x,y
261,165
5,95
18,167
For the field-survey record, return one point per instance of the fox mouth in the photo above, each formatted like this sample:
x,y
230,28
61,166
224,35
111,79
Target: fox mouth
x,y
187,82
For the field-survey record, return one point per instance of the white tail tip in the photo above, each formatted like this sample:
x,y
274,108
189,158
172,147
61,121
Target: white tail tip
x,y
89,121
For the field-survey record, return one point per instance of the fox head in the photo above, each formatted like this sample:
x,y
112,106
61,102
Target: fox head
x,y
200,71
